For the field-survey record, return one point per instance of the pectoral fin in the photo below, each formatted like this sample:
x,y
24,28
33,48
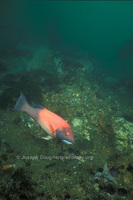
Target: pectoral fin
x,y
51,128
47,138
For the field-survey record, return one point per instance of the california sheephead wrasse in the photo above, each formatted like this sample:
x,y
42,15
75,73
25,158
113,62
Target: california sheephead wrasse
x,y
54,125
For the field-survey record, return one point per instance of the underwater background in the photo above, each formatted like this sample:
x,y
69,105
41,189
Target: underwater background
x,y
75,58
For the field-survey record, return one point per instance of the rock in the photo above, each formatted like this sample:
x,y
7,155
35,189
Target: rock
x,y
77,122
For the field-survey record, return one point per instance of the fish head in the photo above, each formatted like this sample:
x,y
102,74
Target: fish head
x,y
65,134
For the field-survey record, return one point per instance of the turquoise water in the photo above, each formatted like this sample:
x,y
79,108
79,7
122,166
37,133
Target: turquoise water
x,y
100,28
74,58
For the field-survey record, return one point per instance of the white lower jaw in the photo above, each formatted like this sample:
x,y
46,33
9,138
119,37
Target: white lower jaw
x,y
66,142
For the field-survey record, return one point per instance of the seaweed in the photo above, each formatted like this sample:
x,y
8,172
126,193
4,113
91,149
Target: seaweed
x,y
17,185
104,123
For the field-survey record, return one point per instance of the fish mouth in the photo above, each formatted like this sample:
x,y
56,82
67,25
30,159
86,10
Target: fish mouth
x,y
66,142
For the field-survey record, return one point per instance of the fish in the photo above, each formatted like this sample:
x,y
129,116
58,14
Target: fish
x,y
55,126
8,166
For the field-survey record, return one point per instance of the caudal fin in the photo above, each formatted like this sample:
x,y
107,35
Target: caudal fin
x,y
21,103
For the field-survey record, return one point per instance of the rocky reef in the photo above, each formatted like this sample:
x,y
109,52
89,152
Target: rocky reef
x,y
100,163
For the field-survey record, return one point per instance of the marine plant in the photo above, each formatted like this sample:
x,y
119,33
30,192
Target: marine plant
x,y
17,184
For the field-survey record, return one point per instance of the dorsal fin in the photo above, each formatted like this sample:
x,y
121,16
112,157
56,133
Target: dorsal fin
x,y
36,105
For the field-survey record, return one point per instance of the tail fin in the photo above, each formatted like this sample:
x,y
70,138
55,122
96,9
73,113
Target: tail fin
x,y
21,103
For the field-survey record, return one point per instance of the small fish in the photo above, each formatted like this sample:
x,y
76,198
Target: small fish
x,y
8,166
54,125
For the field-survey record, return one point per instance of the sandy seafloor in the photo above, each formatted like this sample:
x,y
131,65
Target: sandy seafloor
x,y
99,109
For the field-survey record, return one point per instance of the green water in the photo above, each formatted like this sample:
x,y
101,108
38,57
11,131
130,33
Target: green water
x,y
99,27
